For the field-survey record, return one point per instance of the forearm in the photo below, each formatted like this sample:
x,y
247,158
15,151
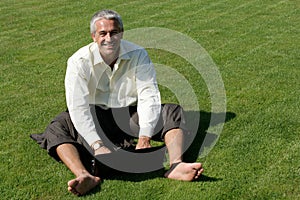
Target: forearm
x,y
149,113
149,103
84,124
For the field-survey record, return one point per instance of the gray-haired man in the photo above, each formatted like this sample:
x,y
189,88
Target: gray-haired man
x,y
112,97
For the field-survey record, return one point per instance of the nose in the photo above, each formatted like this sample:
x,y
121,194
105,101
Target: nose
x,y
108,36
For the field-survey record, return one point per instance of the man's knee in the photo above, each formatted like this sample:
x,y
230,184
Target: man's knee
x,y
173,115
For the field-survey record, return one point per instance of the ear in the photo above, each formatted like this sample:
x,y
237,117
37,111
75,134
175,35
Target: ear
x,y
93,37
121,35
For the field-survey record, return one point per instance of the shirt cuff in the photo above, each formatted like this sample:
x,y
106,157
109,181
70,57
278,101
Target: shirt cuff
x,y
91,138
147,131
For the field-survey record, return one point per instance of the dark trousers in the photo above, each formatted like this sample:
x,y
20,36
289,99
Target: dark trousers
x,y
116,127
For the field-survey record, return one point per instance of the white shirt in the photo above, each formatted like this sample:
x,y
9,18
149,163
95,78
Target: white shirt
x,y
89,80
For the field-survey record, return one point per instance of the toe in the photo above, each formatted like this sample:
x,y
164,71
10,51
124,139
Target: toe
x,y
71,186
197,166
73,183
198,173
72,190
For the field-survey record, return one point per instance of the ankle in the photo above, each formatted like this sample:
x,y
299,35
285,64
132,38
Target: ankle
x,y
175,162
82,172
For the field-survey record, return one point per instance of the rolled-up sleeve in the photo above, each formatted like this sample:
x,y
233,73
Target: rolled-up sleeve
x,y
77,97
149,102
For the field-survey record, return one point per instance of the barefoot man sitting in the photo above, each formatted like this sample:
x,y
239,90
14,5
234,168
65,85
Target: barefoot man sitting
x,y
112,97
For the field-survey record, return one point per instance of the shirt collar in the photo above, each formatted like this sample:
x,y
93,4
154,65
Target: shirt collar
x,y
123,51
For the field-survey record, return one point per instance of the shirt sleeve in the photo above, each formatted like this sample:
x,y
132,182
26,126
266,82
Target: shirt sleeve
x,y
149,102
77,96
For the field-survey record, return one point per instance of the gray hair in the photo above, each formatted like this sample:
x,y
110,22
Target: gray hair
x,y
106,14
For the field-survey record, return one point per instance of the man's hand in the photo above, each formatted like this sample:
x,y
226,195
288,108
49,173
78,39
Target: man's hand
x,y
102,150
143,143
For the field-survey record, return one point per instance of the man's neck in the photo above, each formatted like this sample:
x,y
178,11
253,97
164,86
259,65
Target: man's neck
x,y
112,64
110,61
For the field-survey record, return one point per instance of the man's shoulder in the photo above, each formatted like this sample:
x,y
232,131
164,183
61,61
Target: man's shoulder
x,y
131,49
129,44
83,53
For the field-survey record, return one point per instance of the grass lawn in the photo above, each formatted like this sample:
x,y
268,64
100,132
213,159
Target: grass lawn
x,y
254,44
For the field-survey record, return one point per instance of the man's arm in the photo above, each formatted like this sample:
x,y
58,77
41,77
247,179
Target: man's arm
x,y
149,103
77,96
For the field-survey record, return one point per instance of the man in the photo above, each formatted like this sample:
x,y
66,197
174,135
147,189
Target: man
x,y
112,97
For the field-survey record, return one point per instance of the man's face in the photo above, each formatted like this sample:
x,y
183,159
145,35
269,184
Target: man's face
x,y
108,37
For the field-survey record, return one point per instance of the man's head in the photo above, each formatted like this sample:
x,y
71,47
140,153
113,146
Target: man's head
x,y
106,14
107,31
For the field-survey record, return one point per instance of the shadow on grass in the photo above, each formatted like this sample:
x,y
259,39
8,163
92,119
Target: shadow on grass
x,y
145,176
203,138
204,178
136,177
200,140
129,177
152,175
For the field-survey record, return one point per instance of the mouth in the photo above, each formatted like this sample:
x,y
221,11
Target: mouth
x,y
110,45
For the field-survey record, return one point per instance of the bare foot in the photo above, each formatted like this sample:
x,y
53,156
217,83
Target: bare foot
x,y
83,183
185,171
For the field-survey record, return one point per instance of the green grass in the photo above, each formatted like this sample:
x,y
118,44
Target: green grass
x,y
255,45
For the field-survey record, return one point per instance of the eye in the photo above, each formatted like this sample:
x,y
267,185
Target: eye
x,y
102,34
114,33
